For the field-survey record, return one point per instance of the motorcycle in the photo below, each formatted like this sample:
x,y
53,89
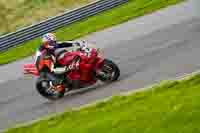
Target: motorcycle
x,y
92,68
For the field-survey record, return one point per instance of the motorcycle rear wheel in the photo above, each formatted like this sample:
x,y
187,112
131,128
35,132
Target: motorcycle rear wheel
x,y
43,87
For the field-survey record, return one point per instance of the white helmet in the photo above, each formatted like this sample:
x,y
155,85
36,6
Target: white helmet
x,y
49,40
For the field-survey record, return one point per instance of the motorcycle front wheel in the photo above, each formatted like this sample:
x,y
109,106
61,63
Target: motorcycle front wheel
x,y
109,71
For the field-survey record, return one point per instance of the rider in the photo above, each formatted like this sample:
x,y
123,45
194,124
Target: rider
x,y
54,48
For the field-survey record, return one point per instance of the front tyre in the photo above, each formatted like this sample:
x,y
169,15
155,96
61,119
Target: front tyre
x,y
45,88
109,71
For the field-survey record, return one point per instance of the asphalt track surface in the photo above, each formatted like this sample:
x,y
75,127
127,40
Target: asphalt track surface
x,y
169,51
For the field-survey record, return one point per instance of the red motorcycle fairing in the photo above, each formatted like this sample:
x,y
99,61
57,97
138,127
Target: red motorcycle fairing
x,y
87,66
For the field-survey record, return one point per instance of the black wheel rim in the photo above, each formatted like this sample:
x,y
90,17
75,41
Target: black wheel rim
x,y
48,91
109,71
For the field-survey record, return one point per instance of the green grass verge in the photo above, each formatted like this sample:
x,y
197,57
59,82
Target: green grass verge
x,y
132,9
169,107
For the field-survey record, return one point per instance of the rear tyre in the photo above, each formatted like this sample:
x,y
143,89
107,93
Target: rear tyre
x,y
110,71
44,87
